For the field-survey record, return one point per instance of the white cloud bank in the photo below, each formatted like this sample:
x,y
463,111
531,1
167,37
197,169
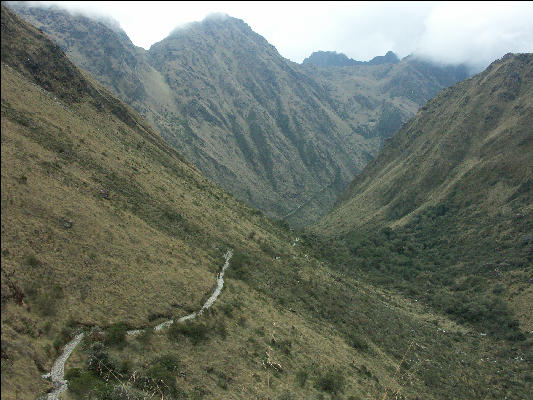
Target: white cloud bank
x,y
475,33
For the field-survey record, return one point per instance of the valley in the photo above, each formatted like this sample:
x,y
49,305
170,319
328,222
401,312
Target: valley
x,y
283,137
414,283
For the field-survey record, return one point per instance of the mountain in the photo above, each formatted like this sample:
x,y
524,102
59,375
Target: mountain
x,y
474,133
105,227
330,59
103,223
388,58
283,137
445,210
334,59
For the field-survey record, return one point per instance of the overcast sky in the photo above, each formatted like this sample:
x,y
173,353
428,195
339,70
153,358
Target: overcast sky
x,y
476,32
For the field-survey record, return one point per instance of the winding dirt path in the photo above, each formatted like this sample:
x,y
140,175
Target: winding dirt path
x,y
57,374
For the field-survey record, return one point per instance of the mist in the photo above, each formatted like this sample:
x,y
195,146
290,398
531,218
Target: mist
x,y
474,33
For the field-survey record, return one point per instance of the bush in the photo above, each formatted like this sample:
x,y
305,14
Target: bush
x,y
81,382
46,301
286,395
98,361
32,261
358,343
331,381
240,265
196,331
301,377
221,329
169,362
63,338
146,336
116,334
160,377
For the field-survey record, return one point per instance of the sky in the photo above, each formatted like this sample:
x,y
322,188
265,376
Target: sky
x,y
475,33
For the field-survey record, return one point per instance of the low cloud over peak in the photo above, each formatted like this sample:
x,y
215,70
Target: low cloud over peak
x,y
445,32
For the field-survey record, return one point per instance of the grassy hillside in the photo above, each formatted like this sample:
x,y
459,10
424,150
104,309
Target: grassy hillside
x,y
106,227
283,137
102,221
468,150
444,213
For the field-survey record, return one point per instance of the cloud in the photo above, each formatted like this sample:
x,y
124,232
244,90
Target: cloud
x,y
473,33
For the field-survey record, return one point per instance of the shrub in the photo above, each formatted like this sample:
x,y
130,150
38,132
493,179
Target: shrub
x,y
63,338
169,362
146,336
196,331
116,334
331,381
227,308
32,261
98,361
46,301
301,377
283,345
240,265
286,395
81,382
160,377
221,329
358,343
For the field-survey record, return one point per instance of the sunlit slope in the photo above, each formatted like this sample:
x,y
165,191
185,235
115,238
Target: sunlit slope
x,y
468,150
102,221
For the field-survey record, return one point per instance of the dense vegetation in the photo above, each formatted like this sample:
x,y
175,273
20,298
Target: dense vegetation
x,y
424,261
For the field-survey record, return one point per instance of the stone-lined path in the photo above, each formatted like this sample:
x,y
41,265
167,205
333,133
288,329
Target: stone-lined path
x,y
57,374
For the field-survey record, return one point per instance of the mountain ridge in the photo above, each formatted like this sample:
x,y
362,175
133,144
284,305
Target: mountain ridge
x,y
334,59
268,130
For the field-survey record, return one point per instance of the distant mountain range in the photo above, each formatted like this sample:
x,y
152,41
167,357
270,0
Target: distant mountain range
x,y
334,59
286,138
476,132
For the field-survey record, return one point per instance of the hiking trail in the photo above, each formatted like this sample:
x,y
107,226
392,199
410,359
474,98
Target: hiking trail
x,y
57,374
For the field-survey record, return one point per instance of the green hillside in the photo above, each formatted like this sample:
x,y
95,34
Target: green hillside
x,y
283,137
444,212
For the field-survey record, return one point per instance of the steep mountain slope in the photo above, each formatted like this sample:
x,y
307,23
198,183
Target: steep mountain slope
x,y
105,227
102,221
474,136
278,135
451,193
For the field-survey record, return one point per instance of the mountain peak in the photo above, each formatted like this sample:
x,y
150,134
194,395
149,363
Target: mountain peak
x,y
334,59
389,58
330,59
213,20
